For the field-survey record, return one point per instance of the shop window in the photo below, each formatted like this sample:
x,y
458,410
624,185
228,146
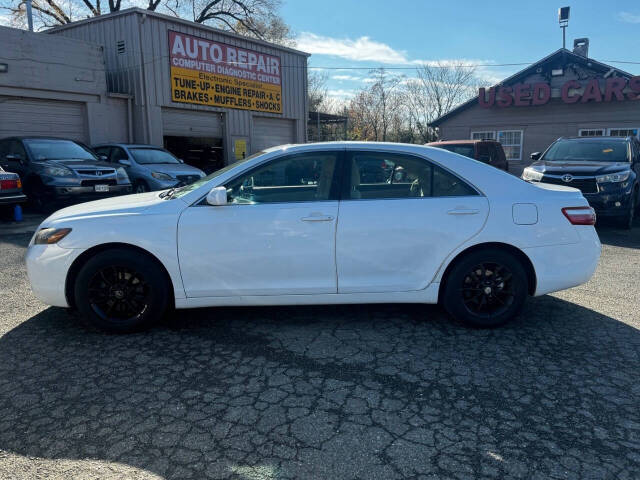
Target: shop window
x,y
591,132
483,135
511,141
623,132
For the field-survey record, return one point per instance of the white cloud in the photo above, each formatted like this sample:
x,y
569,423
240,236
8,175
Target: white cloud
x,y
628,17
362,49
340,94
348,78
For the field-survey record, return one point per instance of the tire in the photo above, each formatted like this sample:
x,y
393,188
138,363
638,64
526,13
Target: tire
x,y
121,291
141,187
486,288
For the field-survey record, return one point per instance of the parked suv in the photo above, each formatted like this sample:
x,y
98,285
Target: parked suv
x,y
149,167
57,170
485,151
605,169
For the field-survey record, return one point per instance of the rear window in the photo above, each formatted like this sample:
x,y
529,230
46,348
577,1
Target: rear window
x,y
466,150
588,151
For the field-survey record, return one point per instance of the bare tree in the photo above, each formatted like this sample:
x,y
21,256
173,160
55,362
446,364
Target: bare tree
x,y
436,90
386,100
256,18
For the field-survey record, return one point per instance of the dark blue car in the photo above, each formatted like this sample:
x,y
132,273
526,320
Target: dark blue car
x,y
605,169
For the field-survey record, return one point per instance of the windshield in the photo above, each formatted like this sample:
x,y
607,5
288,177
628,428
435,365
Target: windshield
x,y
146,156
466,150
52,149
587,151
179,192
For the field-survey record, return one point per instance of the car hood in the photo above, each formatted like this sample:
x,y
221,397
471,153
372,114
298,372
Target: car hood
x,y
173,169
578,168
127,204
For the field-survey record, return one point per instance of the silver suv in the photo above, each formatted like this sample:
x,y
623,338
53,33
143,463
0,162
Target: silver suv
x,y
149,168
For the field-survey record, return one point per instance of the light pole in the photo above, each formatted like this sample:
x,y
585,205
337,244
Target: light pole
x,y
563,20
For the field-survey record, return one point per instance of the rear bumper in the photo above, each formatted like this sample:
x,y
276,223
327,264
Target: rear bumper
x,y
47,268
11,198
559,267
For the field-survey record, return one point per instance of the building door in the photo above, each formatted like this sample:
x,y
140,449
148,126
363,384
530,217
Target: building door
x,y
51,118
269,132
195,137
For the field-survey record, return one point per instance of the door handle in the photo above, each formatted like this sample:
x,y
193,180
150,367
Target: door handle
x,y
317,218
463,211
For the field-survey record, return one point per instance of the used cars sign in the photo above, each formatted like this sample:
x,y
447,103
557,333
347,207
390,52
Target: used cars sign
x,y
205,72
525,94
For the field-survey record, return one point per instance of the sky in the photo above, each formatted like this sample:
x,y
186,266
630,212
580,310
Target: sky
x,y
403,33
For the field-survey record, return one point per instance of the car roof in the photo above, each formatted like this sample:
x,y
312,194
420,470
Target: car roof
x,y
595,139
128,145
37,137
459,142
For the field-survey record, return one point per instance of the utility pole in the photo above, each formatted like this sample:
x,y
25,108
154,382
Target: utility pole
x,y
29,16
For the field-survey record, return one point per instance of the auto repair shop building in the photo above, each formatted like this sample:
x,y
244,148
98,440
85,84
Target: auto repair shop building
x,y
564,94
205,94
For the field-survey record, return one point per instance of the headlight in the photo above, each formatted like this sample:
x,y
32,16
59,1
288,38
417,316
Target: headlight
x,y
122,175
49,236
530,174
58,172
161,176
614,177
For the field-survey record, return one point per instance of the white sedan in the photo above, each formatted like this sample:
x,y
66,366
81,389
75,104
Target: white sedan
x,y
320,224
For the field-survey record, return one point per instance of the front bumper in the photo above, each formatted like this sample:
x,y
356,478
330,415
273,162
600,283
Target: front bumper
x,y
62,192
47,268
614,204
11,198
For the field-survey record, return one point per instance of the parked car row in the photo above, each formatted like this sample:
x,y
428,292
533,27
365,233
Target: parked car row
x,y
58,171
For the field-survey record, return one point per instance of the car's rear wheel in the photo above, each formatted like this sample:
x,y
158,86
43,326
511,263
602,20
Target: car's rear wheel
x,y
485,288
121,291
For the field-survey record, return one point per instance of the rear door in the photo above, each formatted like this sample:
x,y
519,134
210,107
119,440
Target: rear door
x,y
394,233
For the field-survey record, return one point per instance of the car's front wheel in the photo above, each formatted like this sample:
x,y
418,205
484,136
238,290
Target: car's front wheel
x,y
121,291
485,288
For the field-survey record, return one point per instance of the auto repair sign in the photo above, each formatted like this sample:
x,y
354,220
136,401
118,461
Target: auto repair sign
x,y
211,73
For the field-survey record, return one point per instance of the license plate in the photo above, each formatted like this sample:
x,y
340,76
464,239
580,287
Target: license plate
x,y
101,188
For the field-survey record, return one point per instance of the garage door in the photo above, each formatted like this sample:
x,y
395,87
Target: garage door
x,y
269,132
27,116
188,123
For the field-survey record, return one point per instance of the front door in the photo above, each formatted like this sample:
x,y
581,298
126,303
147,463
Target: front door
x,y
400,217
276,235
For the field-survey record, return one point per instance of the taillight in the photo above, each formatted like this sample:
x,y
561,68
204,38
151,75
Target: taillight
x,y
580,215
9,184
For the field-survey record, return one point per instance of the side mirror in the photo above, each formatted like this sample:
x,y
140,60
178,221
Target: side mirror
x,y
535,156
181,160
484,158
104,158
125,162
217,196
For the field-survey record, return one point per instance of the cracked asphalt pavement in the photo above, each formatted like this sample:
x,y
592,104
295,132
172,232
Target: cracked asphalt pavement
x,y
339,392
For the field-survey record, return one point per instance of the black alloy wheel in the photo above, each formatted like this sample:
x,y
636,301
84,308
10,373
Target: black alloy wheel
x,y
121,290
485,288
118,294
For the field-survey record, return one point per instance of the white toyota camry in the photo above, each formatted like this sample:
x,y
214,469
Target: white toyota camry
x,y
320,224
